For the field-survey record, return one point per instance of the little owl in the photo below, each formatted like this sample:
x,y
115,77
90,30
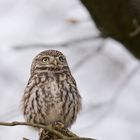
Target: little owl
x,y
51,94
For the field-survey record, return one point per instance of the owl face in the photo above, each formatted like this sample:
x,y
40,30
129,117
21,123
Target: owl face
x,y
50,60
53,61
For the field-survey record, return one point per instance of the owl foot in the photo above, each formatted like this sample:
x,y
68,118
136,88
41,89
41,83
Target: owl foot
x,y
43,134
58,125
46,135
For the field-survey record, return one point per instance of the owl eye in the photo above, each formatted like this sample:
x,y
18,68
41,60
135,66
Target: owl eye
x,y
45,59
61,58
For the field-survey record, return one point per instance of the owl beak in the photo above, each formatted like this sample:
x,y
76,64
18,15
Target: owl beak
x,y
55,62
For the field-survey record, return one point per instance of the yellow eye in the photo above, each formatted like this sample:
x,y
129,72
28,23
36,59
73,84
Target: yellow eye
x,y
61,58
45,59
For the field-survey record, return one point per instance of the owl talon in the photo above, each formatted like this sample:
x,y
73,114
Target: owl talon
x,y
43,134
58,125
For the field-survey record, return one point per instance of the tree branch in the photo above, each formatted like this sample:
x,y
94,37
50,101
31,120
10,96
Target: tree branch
x,y
63,44
49,132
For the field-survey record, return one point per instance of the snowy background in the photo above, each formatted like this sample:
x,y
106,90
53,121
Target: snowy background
x,y
107,75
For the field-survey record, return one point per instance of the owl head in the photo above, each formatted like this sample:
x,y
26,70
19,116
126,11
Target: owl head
x,y
49,60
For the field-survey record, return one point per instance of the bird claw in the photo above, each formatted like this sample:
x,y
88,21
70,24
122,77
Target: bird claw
x,y
58,125
43,134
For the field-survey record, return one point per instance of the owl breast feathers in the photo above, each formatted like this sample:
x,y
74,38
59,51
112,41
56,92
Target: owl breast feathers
x,y
51,94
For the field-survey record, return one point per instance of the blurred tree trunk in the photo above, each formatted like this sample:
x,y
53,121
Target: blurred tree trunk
x,y
118,19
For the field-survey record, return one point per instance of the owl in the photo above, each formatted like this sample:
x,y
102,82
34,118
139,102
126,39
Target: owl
x,y
51,94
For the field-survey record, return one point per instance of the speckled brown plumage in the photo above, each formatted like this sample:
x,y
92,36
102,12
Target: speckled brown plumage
x,y
51,94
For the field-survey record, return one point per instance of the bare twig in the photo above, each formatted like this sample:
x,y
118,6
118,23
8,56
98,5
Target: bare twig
x,y
111,103
25,139
90,55
57,134
81,138
33,125
63,44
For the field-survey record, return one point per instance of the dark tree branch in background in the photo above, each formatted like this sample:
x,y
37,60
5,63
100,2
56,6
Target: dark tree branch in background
x,y
94,52
119,19
111,103
49,132
63,44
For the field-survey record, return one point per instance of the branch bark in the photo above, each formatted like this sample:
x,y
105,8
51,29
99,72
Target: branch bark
x,y
49,132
